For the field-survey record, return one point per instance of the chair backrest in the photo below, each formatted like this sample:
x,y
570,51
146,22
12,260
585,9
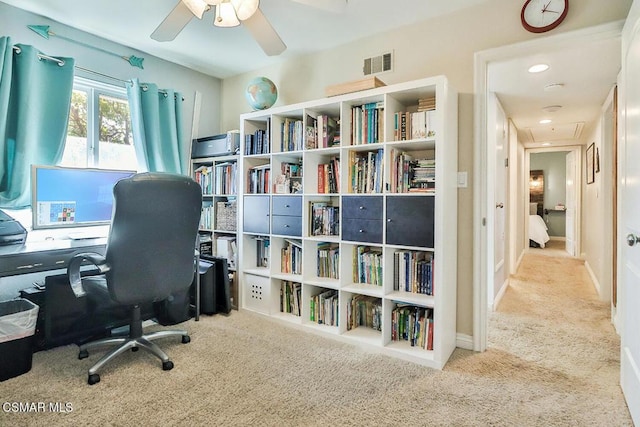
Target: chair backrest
x,y
153,235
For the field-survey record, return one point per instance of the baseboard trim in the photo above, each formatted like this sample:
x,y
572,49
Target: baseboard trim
x,y
498,298
592,275
464,341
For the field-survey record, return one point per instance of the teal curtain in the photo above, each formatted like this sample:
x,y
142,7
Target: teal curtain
x,y
156,119
35,96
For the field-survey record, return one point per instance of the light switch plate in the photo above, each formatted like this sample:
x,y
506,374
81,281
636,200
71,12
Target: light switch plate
x,y
462,179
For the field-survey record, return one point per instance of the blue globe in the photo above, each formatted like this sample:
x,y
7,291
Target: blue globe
x,y
261,93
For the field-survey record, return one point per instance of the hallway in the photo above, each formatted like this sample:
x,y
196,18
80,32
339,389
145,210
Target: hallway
x,y
552,330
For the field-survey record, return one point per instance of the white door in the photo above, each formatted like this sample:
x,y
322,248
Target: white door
x,y
500,202
570,220
629,226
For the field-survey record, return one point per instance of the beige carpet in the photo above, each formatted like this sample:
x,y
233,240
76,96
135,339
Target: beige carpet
x,y
553,361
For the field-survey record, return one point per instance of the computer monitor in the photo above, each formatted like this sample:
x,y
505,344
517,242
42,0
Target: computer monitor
x,y
63,197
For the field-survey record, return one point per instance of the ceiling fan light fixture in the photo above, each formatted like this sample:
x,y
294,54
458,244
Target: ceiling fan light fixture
x,y
245,8
213,2
197,7
226,16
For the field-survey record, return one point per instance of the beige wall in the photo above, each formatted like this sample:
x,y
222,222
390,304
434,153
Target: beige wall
x,y
443,46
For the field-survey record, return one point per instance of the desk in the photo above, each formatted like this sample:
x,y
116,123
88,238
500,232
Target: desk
x,y
45,255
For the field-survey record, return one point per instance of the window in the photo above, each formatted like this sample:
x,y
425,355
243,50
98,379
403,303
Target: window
x,y
99,131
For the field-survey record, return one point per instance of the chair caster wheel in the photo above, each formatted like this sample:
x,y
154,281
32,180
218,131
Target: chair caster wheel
x,y
186,339
93,379
83,354
167,366
135,348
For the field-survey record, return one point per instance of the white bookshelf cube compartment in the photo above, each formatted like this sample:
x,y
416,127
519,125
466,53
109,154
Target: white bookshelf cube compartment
x,y
257,293
286,256
257,136
365,170
320,307
287,174
322,171
256,253
411,167
362,268
409,328
290,297
322,261
322,217
363,317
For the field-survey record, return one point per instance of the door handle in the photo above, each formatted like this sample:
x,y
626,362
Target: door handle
x,y
632,239
499,205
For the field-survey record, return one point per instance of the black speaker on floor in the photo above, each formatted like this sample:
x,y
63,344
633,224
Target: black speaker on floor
x,y
215,295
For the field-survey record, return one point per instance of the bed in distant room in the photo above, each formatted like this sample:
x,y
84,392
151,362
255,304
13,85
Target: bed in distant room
x,y
538,235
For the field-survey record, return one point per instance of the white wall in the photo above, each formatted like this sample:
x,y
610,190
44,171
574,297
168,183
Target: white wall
x,y
597,207
13,23
442,46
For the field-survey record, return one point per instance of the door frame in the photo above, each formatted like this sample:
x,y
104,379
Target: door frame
x,y
483,177
577,150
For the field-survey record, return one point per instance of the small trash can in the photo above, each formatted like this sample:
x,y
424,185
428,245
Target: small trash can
x,y
18,319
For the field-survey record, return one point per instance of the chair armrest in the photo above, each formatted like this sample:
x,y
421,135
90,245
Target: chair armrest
x,y
74,274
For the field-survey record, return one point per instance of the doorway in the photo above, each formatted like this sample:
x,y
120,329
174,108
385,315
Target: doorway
x,y
484,197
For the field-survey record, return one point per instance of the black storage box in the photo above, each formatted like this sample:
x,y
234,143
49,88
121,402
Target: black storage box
x,y
215,295
17,328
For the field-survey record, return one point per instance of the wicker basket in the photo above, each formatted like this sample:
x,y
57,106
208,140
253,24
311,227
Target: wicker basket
x,y
226,216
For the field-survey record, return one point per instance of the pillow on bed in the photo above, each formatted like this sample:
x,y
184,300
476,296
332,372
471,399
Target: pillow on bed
x,y
533,209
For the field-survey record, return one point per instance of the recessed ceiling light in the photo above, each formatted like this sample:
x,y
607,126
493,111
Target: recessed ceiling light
x,y
551,108
538,68
545,121
553,86
546,144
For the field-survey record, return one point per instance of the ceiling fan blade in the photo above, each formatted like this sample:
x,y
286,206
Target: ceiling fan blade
x,y
336,6
265,35
171,26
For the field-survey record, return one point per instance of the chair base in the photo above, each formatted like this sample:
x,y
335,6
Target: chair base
x,y
134,341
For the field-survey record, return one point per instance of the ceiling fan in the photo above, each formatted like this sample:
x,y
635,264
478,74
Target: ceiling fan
x,y
230,13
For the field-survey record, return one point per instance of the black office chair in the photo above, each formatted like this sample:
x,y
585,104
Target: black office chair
x,y
149,256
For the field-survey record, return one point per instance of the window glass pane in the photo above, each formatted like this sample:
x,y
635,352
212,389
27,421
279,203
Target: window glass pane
x,y
75,150
116,149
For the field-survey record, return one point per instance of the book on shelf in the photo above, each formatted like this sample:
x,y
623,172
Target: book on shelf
x,y
413,272
290,294
366,171
367,123
225,178
423,178
257,142
292,134
258,179
414,125
365,311
412,324
203,175
323,308
329,176
367,265
206,214
328,260
262,251
291,257
325,219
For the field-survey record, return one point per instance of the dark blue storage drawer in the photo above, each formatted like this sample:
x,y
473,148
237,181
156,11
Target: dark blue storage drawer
x,y
362,207
362,230
287,225
287,205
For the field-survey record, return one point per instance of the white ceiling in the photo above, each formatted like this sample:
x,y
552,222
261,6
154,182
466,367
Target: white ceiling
x,y
223,52
586,71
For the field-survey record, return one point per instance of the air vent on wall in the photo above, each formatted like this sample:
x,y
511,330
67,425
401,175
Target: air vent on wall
x,y
378,64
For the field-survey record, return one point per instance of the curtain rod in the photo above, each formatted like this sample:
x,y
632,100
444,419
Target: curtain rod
x,y
61,63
